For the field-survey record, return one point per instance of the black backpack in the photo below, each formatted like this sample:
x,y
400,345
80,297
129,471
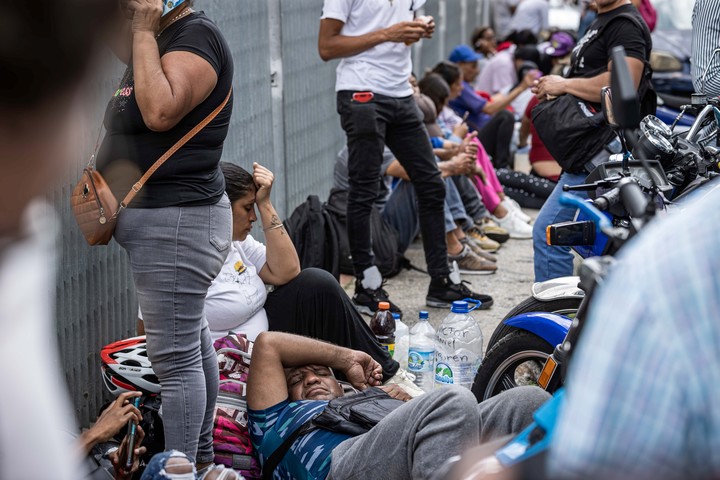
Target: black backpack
x,y
389,260
314,236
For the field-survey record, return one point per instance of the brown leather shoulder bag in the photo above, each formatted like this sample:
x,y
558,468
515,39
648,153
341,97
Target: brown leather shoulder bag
x,y
95,207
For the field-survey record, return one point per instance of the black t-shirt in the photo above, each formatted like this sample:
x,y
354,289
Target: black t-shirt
x,y
192,175
595,56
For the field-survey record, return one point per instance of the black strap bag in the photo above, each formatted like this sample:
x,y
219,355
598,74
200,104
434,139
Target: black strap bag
x,y
352,415
574,130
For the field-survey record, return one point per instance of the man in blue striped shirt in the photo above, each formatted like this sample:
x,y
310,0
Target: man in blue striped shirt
x,y
643,393
705,45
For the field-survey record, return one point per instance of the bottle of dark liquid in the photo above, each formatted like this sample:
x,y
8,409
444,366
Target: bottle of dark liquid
x,y
383,326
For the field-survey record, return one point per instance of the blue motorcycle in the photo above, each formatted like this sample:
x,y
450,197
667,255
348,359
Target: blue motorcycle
x,y
684,164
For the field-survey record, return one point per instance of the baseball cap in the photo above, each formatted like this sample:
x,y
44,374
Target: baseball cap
x,y
560,44
464,53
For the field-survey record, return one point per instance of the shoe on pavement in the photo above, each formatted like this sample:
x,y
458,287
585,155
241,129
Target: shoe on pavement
x,y
477,249
485,243
366,299
493,231
515,226
471,264
512,206
407,381
445,290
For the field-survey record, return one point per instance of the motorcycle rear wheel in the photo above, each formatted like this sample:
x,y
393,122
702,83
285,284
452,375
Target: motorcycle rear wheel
x,y
516,359
562,306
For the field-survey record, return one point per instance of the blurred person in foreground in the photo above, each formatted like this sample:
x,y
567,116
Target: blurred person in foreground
x,y
44,51
177,231
705,42
642,391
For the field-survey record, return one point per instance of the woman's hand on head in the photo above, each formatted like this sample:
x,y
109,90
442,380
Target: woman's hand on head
x,y
146,15
264,179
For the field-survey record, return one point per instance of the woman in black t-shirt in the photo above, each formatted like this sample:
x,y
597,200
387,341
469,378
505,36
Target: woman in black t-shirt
x,y
177,231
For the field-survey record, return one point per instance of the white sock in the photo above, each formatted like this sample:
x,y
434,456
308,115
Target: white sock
x,y
372,280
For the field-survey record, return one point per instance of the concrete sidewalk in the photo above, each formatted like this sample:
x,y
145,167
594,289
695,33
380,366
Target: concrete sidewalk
x,y
508,286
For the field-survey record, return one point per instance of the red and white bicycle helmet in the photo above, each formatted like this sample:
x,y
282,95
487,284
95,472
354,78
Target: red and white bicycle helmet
x,y
126,367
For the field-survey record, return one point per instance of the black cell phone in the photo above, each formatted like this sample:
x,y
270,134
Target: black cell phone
x,y
132,434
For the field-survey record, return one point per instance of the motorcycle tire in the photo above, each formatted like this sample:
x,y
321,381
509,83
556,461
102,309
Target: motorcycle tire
x,y
562,306
518,353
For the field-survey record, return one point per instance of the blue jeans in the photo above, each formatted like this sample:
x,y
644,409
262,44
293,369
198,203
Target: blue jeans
x,y
175,253
552,262
156,470
401,211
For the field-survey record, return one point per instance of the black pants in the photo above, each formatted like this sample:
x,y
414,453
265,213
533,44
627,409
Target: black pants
x,y
314,305
496,136
397,123
530,191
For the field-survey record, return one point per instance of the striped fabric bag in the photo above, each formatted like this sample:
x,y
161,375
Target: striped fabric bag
x,y
231,438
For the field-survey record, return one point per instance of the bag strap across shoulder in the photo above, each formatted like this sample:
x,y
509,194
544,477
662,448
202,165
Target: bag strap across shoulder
x,y
276,457
178,145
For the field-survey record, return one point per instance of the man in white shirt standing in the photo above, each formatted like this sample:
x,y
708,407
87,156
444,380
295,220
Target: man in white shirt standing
x,y
376,107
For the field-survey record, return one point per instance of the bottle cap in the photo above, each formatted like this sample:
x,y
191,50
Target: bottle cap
x,y
460,306
396,316
384,306
423,315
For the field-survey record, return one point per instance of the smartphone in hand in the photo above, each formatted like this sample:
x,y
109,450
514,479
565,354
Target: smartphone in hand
x,y
131,435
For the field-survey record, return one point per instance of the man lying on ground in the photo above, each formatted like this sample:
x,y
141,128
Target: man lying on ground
x,y
291,380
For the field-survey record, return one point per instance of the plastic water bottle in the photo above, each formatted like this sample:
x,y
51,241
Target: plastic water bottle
x,y
458,347
421,355
402,341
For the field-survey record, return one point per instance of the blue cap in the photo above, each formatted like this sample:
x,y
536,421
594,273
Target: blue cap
x,y
396,316
463,53
423,315
460,306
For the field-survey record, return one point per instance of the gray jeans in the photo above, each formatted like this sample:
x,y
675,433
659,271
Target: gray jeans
x,y
175,253
417,438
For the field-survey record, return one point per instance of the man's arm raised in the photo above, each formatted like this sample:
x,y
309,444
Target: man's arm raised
x,y
275,351
332,45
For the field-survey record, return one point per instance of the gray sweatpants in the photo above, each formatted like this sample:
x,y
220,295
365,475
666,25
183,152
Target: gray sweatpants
x,y
417,438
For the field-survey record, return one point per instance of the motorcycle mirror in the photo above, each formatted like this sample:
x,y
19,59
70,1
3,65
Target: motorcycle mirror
x,y
625,103
607,107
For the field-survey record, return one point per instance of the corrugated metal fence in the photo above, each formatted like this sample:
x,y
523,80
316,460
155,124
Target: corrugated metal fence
x,y
284,117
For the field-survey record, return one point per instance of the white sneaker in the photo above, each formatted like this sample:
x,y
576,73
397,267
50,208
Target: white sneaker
x,y
512,206
407,381
515,226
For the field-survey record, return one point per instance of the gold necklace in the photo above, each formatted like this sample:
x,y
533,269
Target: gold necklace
x,y
183,14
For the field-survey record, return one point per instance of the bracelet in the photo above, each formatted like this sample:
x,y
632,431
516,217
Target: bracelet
x,y
273,227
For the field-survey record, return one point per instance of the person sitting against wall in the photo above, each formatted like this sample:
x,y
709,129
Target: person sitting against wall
x,y
505,212
488,116
306,302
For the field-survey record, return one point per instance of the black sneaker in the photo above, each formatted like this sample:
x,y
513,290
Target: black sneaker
x,y
366,300
443,291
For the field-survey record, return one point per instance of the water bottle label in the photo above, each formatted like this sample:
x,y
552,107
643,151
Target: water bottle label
x,y
455,373
420,361
443,374
389,347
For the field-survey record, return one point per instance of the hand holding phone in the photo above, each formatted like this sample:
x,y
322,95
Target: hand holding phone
x,y
131,436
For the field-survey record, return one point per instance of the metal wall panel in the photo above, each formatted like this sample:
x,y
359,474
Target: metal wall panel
x,y
313,136
284,117
455,26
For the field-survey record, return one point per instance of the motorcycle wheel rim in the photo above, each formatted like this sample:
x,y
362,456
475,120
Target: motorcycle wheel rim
x,y
502,374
